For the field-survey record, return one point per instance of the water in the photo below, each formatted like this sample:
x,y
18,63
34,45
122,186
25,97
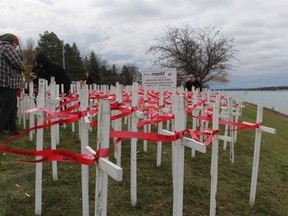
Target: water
x,y
276,100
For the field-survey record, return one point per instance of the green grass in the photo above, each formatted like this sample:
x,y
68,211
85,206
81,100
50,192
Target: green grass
x,y
154,184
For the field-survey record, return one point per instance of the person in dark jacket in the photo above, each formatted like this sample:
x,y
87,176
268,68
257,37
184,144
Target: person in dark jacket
x,y
11,80
35,75
88,79
193,82
50,69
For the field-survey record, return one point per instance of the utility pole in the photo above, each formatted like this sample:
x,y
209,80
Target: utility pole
x,y
63,54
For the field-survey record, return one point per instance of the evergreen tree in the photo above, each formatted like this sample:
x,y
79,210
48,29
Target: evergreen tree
x,y
109,74
114,70
94,68
129,74
51,46
73,62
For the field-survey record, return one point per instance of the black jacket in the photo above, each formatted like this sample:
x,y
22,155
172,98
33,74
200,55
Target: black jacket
x,y
194,83
51,69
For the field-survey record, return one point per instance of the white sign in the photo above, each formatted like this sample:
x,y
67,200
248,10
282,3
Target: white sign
x,y
159,77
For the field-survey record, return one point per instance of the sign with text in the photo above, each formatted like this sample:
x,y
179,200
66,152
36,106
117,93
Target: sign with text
x,y
159,77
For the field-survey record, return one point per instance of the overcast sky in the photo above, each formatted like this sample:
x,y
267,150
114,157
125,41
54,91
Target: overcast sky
x,y
121,31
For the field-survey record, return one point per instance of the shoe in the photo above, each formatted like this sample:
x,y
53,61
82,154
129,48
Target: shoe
x,y
14,133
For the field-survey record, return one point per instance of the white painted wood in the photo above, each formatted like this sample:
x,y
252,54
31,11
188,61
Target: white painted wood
x,y
188,142
214,159
194,120
256,157
52,106
72,90
145,143
231,128
105,167
118,124
225,138
263,128
160,127
178,156
31,114
237,114
111,169
134,121
83,96
139,114
22,107
202,113
57,102
39,147
102,142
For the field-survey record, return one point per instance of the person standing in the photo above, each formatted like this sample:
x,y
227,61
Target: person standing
x,y
35,74
11,80
88,79
193,82
50,69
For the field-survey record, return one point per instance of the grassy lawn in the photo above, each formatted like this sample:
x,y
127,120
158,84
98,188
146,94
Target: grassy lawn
x,y
154,184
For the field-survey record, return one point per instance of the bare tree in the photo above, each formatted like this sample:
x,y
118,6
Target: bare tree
x,y
203,52
28,54
30,50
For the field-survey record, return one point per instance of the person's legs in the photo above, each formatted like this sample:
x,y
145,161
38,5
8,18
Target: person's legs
x,y
8,111
5,106
13,113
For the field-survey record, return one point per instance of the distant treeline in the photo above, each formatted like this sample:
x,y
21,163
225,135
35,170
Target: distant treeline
x,y
273,88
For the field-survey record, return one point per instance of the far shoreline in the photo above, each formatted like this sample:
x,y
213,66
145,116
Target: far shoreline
x,y
268,109
272,88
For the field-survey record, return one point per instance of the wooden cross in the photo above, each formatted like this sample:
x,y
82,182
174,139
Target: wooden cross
x,y
257,144
39,147
178,153
105,168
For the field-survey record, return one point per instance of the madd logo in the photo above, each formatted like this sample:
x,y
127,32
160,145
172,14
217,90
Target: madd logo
x,y
161,73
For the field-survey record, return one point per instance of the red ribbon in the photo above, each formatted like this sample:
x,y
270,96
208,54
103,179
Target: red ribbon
x,y
59,155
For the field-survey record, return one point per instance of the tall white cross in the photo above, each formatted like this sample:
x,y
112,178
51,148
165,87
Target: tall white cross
x,y
105,168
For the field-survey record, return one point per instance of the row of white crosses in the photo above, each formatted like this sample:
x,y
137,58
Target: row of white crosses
x,y
179,177
44,100
231,114
104,168
214,162
178,154
177,149
50,102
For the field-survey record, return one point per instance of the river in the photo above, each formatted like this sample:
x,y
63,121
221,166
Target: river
x,y
276,100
